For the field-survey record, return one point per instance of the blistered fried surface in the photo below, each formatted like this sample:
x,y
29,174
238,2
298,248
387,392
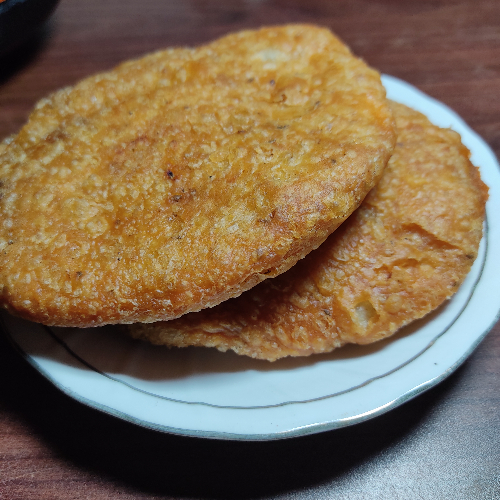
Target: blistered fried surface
x,y
181,179
400,255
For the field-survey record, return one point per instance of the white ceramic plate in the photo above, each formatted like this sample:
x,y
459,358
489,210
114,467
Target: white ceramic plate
x,y
202,392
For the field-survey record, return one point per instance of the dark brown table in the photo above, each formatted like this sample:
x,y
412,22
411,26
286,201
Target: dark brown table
x,y
444,444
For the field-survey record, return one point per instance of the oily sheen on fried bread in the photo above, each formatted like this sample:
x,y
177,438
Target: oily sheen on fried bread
x,y
184,178
399,256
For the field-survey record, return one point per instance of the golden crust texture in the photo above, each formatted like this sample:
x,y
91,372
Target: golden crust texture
x,y
400,255
181,179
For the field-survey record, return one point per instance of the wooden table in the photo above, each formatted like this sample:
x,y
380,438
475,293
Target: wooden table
x,y
444,444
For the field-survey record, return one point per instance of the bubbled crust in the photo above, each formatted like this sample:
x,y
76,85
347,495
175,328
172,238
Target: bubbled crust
x,y
181,179
400,255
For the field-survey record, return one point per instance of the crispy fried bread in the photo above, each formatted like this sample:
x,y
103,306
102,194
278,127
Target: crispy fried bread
x,y
183,178
400,255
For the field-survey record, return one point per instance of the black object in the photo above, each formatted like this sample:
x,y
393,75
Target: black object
x,y
20,19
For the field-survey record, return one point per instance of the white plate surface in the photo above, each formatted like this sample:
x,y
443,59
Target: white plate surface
x,y
202,392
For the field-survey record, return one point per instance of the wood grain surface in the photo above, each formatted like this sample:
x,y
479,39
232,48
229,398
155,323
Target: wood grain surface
x,y
444,444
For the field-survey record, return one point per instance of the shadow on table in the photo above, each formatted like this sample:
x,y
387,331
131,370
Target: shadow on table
x,y
15,60
140,460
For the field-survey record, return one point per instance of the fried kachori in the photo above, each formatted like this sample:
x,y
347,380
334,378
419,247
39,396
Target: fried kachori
x,y
181,179
399,256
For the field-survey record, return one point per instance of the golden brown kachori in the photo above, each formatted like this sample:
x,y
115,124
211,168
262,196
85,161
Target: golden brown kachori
x,y
400,255
181,179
